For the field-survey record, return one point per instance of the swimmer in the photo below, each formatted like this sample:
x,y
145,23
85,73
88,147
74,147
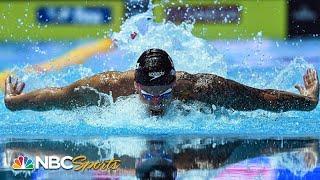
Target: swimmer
x,y
157,83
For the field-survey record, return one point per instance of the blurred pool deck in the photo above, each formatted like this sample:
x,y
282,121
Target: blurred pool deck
x,y
247,53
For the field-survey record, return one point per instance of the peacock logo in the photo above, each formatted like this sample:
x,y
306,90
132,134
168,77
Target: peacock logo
x,y
22,163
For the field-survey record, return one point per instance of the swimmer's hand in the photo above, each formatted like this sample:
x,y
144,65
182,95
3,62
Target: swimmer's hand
x,y
311,85
12,88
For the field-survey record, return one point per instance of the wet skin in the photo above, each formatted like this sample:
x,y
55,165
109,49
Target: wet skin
x,y
207,88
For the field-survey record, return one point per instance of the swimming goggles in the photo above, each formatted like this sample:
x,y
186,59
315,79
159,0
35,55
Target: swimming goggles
x,y
165,95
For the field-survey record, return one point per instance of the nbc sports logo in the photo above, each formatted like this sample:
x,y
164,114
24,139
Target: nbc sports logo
x,y
22,163
79,163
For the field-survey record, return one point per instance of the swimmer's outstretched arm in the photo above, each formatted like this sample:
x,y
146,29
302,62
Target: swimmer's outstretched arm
x,y
84,92
230,94
221,155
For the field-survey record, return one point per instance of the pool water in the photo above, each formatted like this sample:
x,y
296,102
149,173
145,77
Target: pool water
x,y
256,62
193,157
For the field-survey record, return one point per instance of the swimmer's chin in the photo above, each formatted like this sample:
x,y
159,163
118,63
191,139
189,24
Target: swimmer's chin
x,y
156,111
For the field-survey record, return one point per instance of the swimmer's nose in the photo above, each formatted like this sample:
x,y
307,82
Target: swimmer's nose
x,y
155,100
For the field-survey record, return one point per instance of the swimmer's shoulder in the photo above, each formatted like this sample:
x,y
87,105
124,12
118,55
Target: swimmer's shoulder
x,y
117,75
182,75
183,89
188,81
195,86
128,76
113,78
120,83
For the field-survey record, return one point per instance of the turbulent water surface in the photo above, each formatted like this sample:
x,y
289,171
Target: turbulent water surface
x,y
257,62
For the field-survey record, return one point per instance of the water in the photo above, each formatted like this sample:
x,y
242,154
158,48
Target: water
x,y
257,62
193,157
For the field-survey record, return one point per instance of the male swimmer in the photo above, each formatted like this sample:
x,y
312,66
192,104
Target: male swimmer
x,y
157,83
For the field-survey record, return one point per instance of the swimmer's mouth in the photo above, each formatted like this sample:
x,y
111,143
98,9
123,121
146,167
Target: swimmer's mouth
x,y
157,109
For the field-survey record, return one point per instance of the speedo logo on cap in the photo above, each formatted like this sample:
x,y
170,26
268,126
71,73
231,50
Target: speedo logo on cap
x,y
155,75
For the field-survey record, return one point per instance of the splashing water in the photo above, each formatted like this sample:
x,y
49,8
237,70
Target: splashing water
x,y
127,116
178,41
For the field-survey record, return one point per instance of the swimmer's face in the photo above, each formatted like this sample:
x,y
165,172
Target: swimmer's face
x,y
158,98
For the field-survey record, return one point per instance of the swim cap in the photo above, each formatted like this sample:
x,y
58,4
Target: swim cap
x,y
155,68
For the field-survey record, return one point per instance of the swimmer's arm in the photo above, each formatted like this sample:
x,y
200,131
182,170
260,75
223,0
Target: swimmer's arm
x,y
279,101
212,155
81,93
220,155
230,94
249,149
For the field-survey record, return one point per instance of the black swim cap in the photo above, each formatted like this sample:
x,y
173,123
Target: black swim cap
x,y
155,68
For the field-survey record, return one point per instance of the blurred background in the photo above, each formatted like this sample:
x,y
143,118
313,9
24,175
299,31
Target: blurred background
x,y
74,23
220,19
